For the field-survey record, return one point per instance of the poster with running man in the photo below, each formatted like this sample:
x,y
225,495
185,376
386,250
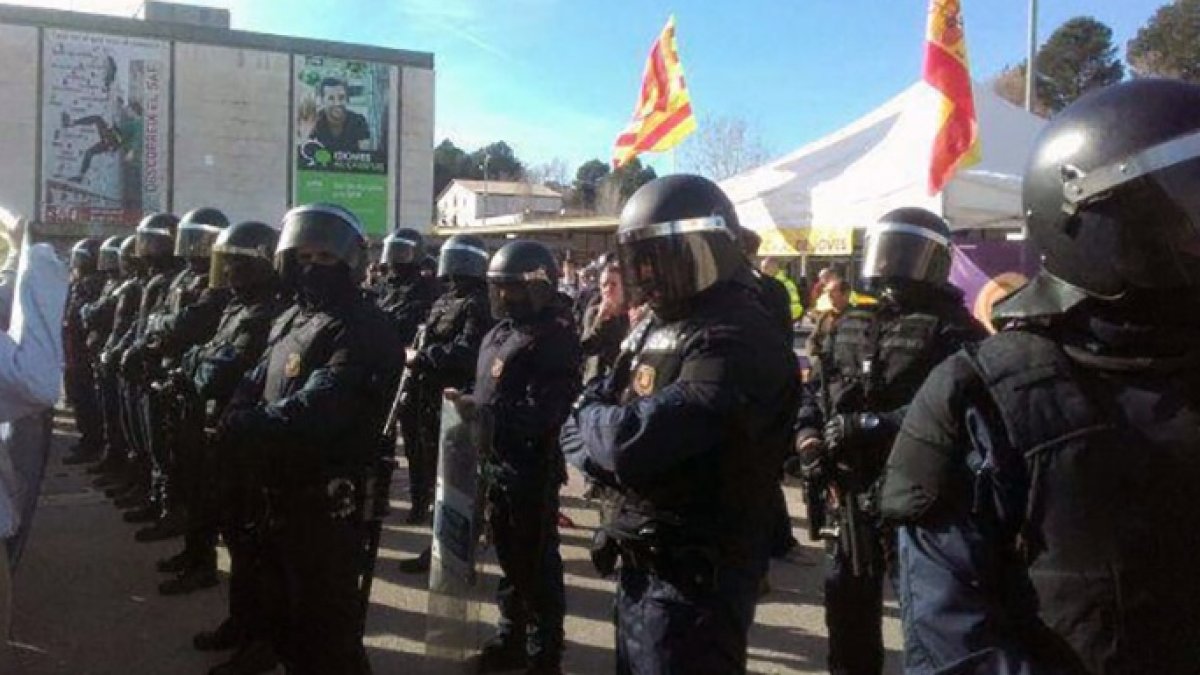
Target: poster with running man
x,y
104,128
341,114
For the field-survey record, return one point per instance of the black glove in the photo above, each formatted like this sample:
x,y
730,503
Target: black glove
x,y
849,430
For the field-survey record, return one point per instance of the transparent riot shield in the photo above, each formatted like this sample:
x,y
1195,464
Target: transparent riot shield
x,y
452,629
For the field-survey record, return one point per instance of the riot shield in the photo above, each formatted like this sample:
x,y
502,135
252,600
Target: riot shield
x,y
452,629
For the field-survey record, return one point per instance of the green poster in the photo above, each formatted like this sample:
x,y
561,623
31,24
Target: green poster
x,y
341,122
364,194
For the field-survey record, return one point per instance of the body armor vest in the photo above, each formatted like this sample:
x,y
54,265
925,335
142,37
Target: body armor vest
x,y
1112,464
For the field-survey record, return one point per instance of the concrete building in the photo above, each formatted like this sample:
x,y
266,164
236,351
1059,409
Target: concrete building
x,y
469,203
103,119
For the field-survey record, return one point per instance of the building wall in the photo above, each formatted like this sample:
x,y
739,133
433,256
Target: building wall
x,y
231,145
415,186
18,118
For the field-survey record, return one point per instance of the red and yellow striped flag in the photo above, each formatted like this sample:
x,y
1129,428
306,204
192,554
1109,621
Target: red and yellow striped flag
x,y
957,143
663,115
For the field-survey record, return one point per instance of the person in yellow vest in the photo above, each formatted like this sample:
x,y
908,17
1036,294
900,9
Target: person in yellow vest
x,y
770,267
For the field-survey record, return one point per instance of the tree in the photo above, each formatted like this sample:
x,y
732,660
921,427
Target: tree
x,y
552,173
1010,86
723,147
1169,44
619,186
1078,57
587,183
502,162
449,162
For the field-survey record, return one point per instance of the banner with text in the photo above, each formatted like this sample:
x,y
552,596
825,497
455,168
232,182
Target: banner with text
x,y
341,115
104,128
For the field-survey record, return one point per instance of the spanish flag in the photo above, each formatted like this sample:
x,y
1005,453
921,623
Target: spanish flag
x,y
956,145
663,115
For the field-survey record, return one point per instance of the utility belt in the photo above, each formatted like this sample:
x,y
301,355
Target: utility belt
x,y
361,495
692,567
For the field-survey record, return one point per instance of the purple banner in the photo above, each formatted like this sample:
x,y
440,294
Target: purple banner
x,y
988,271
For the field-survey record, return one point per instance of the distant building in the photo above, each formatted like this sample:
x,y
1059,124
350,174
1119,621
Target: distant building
x,y
468,203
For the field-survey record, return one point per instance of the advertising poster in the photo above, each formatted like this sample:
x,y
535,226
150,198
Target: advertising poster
x,y
104,128
341,115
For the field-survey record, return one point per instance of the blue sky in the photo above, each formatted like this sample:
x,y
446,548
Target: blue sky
x,y
559,78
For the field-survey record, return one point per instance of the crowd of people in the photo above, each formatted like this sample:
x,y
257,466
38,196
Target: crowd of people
x,y
1030,494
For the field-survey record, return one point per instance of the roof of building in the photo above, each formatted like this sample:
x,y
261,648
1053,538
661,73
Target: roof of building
x,y
507,188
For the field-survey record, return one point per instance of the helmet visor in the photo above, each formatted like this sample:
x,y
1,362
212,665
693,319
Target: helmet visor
x,y
195,240
81,260
154,243
398,251
332,236
109,259
230,269
665,270
904,251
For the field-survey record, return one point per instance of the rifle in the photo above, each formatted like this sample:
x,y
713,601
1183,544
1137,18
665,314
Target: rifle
x,y
402,389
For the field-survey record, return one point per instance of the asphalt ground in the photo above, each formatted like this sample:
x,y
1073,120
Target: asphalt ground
x,y
86,600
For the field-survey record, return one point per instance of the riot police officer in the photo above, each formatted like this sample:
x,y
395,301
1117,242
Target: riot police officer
x,y
96,318
155,242
690,431
86,284
405,294
527,376
873,364
187,316
310,417
443,358
1045,481
241,265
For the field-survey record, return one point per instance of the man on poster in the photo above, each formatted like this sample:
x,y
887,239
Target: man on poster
x,y
339,128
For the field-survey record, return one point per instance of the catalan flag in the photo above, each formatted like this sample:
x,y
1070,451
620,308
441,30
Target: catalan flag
x,y
663,115
956,145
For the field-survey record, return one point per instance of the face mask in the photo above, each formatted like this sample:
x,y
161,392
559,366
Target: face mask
x,y
322,285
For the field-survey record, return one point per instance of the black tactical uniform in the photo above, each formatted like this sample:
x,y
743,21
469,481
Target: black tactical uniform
x,y
116,394
315,429
404,293
1046,480
527,377
874,362
155,242
187,317
445,358
691,431
97,320
86,284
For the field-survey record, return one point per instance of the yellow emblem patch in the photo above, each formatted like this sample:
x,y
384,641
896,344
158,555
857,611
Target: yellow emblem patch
x,y
643,380
292,367
497,369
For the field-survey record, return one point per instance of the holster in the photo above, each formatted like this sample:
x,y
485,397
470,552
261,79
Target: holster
x,y
692,567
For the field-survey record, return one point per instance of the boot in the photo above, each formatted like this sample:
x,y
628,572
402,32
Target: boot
x,y
419,564
175,564
419,513
227,636
253,658
195,578
147,513
171,525
505,651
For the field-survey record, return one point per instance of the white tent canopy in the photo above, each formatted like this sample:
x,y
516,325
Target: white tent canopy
x,y
880,162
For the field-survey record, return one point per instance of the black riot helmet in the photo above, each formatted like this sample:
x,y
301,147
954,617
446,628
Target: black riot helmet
x,y
402,247
907,246
85,255
321,252
129,262
108,258
243,256
522,280
155,237
1112,198
678,238
463,256
198,230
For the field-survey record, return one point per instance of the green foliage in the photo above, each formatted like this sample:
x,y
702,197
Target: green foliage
x,y
1078,57
1169,44
587,182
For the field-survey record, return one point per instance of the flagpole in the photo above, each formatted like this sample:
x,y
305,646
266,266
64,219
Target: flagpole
x,y
1030,67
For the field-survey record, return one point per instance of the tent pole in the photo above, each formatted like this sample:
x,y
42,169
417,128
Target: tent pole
x,y
1030,69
